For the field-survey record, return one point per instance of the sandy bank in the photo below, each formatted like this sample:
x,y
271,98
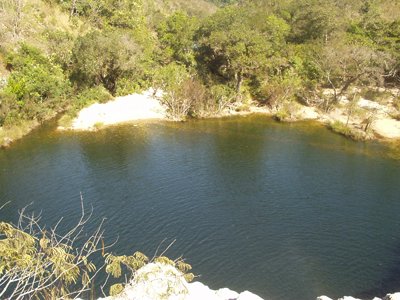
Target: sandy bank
x,y
144,106
383,125
147,106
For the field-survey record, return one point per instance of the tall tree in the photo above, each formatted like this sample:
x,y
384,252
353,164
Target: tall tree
x,y
176,35
104,57
231,47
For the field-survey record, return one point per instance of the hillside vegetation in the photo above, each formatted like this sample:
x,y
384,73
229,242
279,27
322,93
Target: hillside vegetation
x,y
61,55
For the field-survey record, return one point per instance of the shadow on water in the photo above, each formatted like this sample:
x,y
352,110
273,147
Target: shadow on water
x,y
289,211
388,284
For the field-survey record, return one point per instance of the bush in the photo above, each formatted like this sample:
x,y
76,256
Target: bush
x,y
97,94
38,84
173,80
36,88
40,263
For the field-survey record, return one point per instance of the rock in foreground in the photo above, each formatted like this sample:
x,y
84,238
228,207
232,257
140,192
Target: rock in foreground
x,y
157,281
395,296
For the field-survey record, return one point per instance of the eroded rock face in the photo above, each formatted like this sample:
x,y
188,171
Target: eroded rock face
x,y
157,281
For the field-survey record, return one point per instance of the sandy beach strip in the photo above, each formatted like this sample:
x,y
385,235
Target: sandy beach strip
x,y
144,106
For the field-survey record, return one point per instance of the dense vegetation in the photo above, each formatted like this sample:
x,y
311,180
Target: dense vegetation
x,y
58,55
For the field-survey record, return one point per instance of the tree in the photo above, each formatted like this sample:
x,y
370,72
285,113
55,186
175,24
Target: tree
x,y
173,80
314,20
104,57
343,65
230,47
176,36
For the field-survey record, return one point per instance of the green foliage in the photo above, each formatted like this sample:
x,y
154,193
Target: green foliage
x,y
36,88
347,131
97,94
230,47
60,44
273,51
173,80
39,264
44,264
280,89
116,289
176,36
133,262
105,57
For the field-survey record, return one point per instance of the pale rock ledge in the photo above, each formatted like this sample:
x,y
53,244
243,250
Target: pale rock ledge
x,y
395,296
157,281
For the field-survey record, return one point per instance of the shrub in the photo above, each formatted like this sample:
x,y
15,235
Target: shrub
x,y
36,88
97,94
173,80
40,263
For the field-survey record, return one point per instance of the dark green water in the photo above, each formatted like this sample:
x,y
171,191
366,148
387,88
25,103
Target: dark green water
x,y
286,211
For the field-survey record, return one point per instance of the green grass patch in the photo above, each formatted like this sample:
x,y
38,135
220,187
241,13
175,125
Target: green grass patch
x,y
11,133
377,96
347,131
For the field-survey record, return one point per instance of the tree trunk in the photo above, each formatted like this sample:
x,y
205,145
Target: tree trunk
x,y
19,4
73,8
239,81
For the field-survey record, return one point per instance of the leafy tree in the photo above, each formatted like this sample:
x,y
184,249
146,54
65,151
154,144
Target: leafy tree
x,y
230,47
173,80
104,57
314,20
176,35
343,65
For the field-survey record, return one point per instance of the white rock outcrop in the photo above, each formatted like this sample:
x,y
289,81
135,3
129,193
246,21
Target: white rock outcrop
x,y
157,281
395,296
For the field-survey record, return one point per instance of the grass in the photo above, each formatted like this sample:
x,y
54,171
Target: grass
x,y
15,132
377,96
347,131
66,120
282,115
98,125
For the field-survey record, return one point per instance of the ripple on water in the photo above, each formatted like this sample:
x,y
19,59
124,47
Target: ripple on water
x,y
287,211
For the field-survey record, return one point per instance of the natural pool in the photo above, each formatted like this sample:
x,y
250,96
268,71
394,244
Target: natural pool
x,y
287,211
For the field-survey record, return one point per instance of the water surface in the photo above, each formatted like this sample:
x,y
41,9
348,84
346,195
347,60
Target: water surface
x,y
288,211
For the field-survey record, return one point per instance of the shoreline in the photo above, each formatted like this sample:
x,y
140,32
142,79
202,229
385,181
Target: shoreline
x,y
146,106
